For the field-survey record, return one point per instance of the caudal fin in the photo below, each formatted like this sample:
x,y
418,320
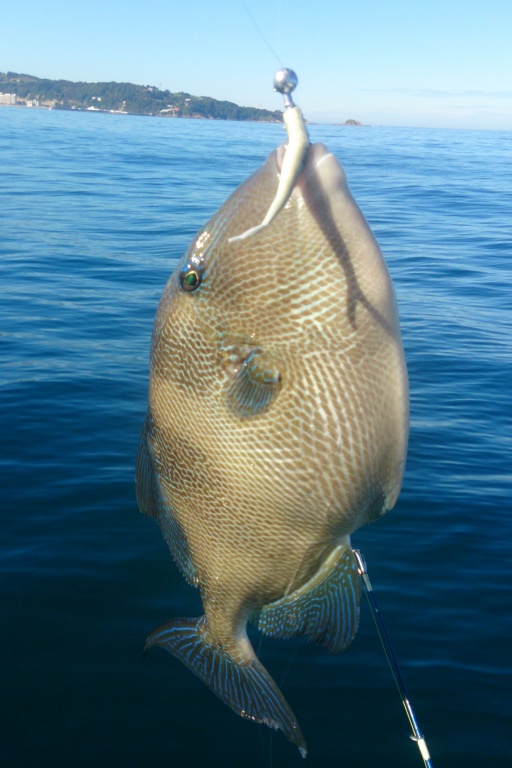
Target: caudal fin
x,y
244,685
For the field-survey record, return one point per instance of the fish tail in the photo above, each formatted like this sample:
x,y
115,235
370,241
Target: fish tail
x,y
240,680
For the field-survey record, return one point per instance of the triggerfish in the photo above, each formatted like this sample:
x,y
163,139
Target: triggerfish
x,y
277,424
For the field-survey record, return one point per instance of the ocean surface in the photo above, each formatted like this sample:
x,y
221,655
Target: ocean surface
x,y
95,210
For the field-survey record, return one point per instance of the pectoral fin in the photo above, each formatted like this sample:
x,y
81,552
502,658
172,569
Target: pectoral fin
x,y
242,683
254,385
325,609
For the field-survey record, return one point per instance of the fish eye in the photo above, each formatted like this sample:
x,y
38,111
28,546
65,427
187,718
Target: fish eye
x,y
190,278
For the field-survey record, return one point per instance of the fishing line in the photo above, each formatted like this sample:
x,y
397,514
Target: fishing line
x,y
283,676
261,731
286,670
392,660
260,33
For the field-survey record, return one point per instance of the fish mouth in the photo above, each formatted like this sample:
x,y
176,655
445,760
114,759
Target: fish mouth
x,y
316,153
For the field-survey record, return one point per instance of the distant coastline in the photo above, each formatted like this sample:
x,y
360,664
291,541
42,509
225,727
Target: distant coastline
x,y
122,98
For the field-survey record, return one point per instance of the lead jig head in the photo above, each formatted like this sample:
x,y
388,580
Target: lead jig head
x,y
286,81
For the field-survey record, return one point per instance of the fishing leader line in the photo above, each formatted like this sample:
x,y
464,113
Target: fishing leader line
x,y
392,660
260,33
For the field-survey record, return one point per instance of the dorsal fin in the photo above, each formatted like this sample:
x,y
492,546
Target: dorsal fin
x,y
150,501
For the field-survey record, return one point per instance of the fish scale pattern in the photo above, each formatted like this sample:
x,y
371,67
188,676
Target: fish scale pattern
x,y
277,404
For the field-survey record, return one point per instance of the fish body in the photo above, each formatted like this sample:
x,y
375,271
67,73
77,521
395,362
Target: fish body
x,y
277,425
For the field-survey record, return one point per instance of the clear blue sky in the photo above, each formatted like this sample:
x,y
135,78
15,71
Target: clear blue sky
x,y
445,63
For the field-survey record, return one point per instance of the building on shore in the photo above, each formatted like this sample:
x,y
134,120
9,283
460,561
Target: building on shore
x,y
8,98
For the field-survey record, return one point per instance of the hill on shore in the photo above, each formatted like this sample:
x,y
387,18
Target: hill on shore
x,y
124,98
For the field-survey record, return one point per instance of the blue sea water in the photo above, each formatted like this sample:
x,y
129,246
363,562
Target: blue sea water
x,y
95,211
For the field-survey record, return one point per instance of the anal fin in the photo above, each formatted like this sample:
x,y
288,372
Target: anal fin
x,y
241,682
325,609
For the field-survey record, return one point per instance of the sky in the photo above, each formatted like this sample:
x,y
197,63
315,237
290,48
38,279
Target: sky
x,y
441,63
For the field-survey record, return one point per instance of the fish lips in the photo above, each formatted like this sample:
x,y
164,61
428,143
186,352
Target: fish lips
x,y
317,156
